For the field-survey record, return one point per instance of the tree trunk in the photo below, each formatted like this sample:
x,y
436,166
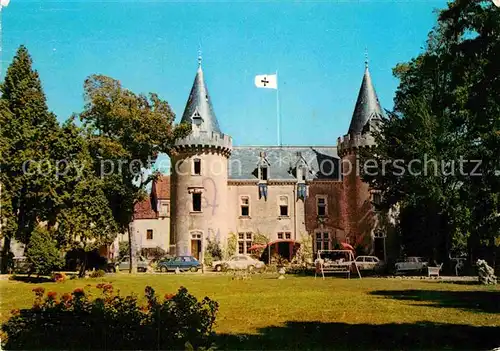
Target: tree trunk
x,y
5,254
132,248
83,267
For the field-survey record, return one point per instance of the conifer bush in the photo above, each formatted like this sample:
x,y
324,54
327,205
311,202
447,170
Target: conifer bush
x,y
75,321
43,255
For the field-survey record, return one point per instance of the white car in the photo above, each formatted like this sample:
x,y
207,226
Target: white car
x,y
238,262
411,264
369,263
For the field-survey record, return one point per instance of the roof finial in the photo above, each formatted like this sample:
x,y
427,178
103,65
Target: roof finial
x,y
366,58
199,57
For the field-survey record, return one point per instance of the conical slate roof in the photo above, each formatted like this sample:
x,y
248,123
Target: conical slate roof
x,y
367,106
200,106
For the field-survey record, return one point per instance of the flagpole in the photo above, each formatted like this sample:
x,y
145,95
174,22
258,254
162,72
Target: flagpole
x,y
278,110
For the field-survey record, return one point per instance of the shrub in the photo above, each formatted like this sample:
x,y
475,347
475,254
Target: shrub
x,y
154,254
97,274
43,255
111,321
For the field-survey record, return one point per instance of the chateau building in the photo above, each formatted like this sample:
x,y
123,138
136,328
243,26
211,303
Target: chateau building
x,y
287,194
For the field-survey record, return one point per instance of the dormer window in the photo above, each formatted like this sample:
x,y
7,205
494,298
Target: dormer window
x,y
196,166
301,168
263,168
301,174
196,117
263,173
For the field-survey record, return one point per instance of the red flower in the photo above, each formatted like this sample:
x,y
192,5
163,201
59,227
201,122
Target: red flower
x,y
66,297
78,292
169,296
51,295
100,286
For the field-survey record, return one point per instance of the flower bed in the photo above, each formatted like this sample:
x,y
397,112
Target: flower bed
x,y
111,321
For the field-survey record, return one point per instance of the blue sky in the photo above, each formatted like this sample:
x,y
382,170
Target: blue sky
x,y
151,46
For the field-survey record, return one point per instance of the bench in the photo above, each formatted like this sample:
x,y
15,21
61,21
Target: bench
x,y
339,268
434,271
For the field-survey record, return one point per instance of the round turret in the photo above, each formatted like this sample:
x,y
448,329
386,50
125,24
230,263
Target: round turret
x,y
199,178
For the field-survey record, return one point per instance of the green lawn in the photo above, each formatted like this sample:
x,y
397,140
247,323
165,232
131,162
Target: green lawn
x,y
307,313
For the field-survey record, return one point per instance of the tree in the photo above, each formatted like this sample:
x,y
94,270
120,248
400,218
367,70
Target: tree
x,y
447,111
127,132
43,254
27,127
79,207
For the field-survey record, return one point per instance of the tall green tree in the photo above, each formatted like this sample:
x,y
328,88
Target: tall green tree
x,y
447,109
27,127
79,208
127,132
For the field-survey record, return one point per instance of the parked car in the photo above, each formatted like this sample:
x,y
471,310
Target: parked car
x,y
411,264
123,264
20,265
238,262
184,263
369,263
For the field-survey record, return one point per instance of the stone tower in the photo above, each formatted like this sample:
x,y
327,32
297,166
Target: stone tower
x,y
361,220
199,189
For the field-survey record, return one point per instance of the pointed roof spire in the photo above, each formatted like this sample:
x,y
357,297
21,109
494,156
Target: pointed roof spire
x,y
367,104
199,107
366,58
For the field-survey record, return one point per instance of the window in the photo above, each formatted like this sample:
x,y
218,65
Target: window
x,y
284,235
197,166
301,173
244,242
164,209
149,234
377,198
322,241
245,206
321,205
196,202
263,173
283,203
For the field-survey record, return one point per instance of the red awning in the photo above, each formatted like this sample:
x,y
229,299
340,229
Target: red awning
x,y
346,246
257,246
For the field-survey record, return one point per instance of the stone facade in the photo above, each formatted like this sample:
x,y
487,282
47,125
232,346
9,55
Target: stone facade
x,y
225,193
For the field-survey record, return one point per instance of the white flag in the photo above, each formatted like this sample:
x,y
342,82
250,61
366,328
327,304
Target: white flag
x,y
4,3
269,81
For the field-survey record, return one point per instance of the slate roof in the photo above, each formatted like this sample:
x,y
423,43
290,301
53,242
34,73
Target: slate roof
x,y
244,161
367,106
199,101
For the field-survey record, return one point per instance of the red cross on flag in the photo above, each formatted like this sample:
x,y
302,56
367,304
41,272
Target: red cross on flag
x,y
269,81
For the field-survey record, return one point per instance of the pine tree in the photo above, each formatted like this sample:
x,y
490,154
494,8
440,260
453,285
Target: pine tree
x,y
27,127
